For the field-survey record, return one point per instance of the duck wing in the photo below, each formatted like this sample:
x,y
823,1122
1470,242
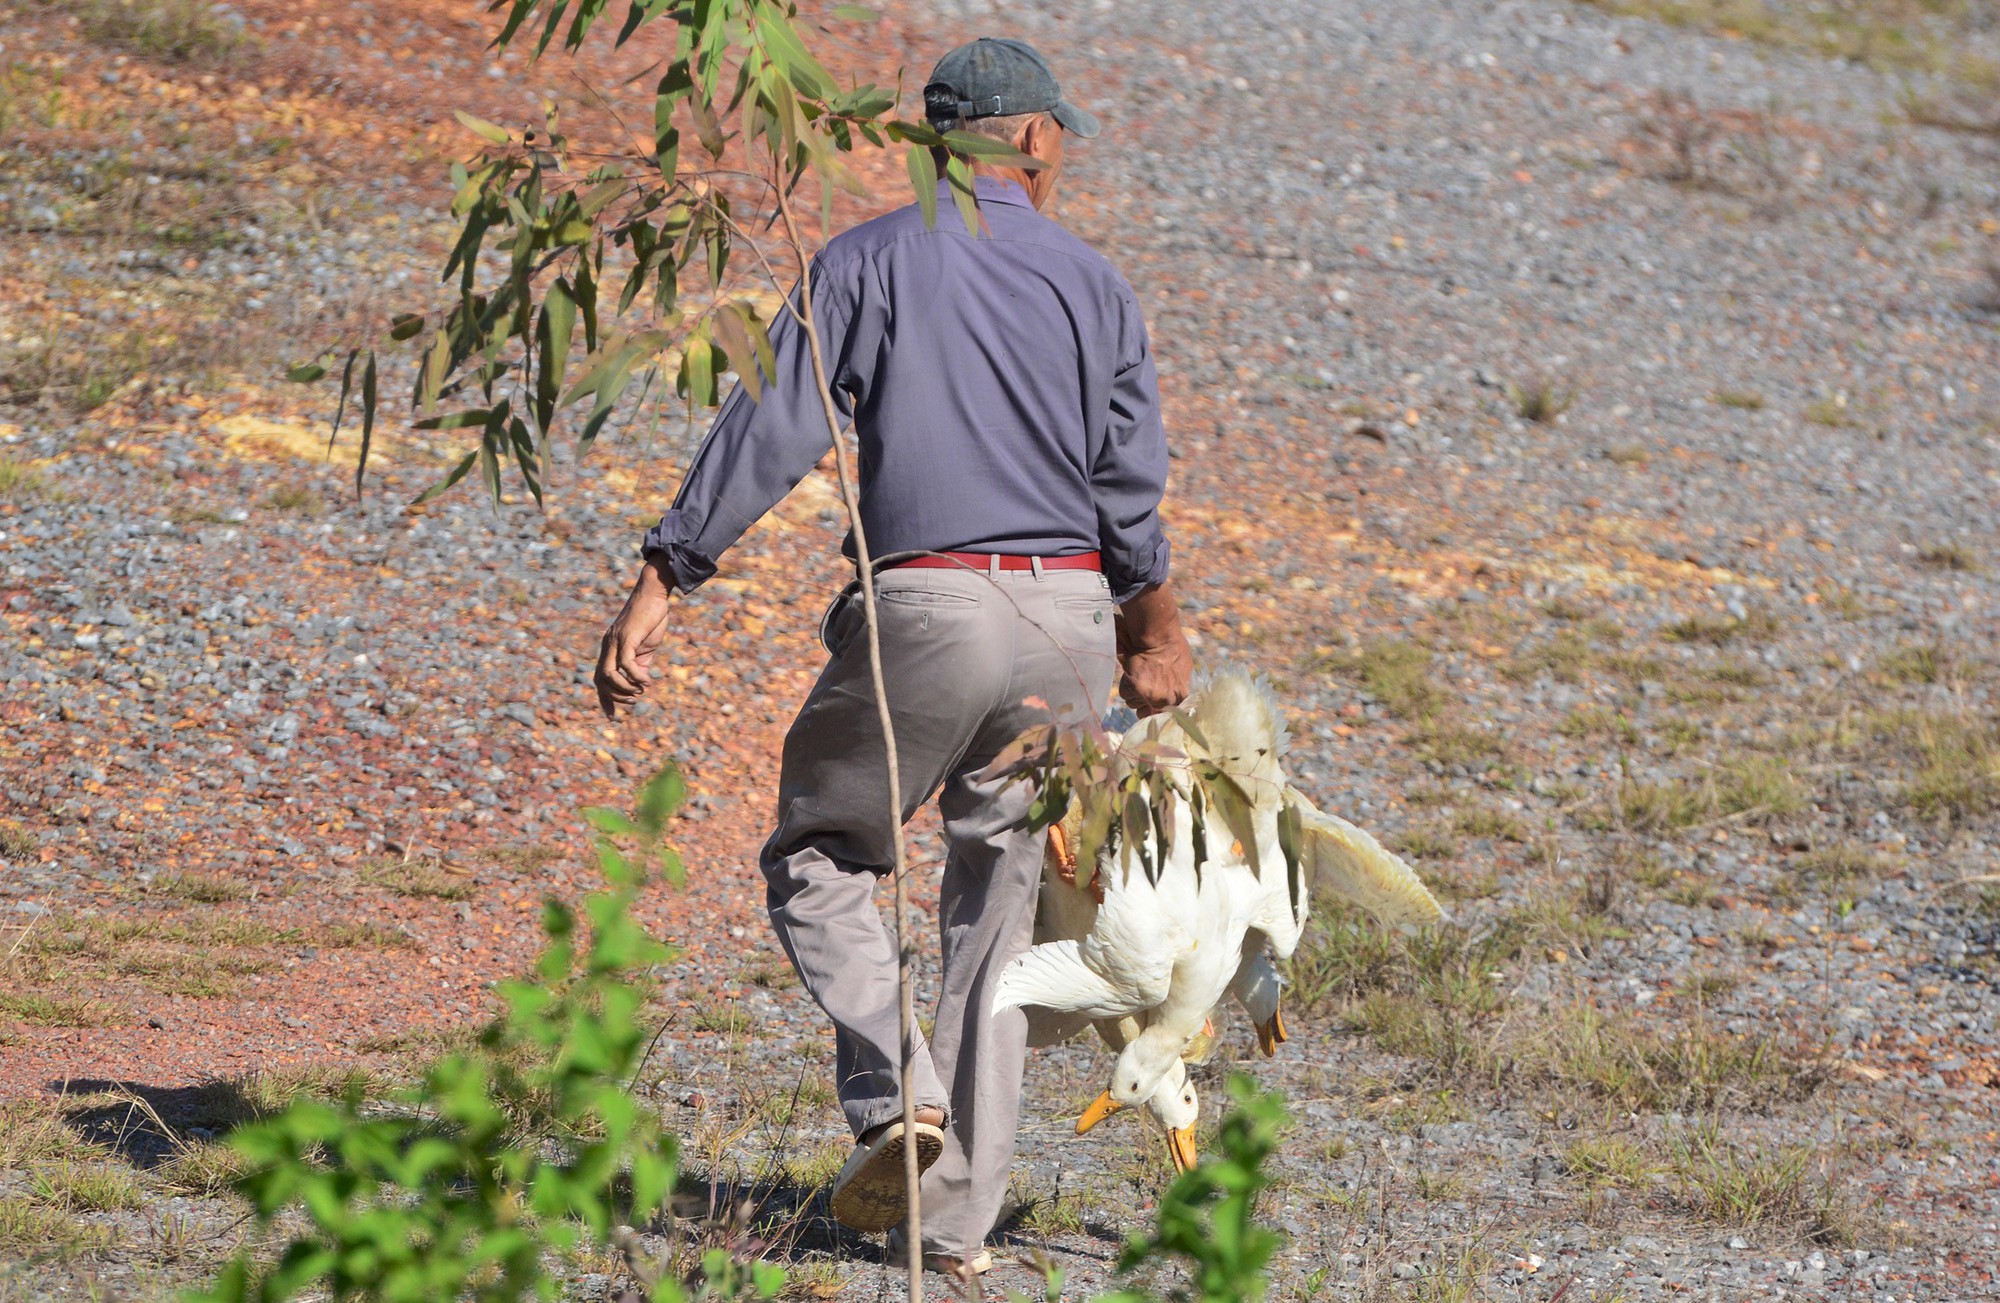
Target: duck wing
x,y
1054,976
1344,859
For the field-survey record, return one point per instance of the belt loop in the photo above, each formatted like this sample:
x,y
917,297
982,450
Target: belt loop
x,y
1036,563
993,567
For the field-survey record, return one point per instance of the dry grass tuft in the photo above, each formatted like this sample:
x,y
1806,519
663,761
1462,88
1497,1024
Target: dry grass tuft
x,y
180,31
85,1187
54,1010
1718,630
17,843
1741,1187
298,499
20,480
30,1229
1541,399
1395,673
423,877
200,888
1952,557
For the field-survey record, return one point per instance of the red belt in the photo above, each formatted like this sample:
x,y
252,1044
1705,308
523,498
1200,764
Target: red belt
x,y
999,561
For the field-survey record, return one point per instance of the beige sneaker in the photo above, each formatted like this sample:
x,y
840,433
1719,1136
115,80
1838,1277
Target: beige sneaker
x,y
869,1195
945,1264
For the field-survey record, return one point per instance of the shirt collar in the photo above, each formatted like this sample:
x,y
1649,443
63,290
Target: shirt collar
x,y
990,190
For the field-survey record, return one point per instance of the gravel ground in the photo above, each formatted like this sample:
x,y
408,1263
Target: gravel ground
x,y
1757,542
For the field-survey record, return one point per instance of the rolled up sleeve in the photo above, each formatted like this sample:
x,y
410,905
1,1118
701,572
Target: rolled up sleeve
x,y
1130,474
759,448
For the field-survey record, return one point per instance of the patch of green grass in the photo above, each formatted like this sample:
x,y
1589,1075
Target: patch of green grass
x,y
774,976
1049,1216
361,936
30,1229
1395,673
1599,721
1915,663
1422,843
1659,1070
1758,787
182,31
298,499
1610,1160
1743,1187
1564,658
202,888
1718,630
722,1019
1949,556
17,843
85,1187
202,1170
1830,412
1489,824
1656,807
422,878
19,480
1541,399
1448,742
53,1010
32,1132
1742,400
525,859
1842,863
1678,735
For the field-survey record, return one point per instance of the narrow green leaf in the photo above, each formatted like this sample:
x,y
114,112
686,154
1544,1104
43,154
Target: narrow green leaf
x,y
923,180
707,127
586,295
458,473
367,422
489,456
854,13
785,49
959,172
340,408
481,127
607,820
406,326
729,325
698,372
305,373
660,798
988,150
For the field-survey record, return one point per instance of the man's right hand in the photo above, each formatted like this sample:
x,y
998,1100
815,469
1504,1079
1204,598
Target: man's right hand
x,y
625,659
1153,652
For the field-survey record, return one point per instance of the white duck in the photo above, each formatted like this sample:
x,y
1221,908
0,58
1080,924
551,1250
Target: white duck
x,y
1068,911
1165,949
1149,965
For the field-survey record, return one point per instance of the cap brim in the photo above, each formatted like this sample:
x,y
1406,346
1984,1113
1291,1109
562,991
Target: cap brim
x,y
1075,120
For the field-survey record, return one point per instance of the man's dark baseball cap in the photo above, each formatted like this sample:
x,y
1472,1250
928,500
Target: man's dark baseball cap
x,y
997,77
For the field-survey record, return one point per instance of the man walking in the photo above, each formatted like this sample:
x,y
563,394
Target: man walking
x,y
1012,463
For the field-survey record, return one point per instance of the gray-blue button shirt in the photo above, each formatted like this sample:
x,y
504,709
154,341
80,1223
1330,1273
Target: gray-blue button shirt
x,y
1001,388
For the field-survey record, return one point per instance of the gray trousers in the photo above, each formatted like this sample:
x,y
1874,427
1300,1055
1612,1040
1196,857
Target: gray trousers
x,y
962,651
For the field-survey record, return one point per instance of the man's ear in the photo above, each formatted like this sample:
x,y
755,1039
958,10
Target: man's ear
x,y
1038,136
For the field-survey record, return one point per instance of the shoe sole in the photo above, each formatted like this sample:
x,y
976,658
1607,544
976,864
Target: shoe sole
x,y
874,1196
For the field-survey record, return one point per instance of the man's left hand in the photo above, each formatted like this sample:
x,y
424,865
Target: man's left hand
x,y
625,658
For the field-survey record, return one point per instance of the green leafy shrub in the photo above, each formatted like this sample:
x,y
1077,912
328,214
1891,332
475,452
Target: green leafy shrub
x,y
444,1197
1207,1216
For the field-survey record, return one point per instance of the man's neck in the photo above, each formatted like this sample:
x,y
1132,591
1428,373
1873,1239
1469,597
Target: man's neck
x,y
1014,175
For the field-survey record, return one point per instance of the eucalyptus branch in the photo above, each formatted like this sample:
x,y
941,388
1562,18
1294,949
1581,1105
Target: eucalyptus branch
x,y
865,566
